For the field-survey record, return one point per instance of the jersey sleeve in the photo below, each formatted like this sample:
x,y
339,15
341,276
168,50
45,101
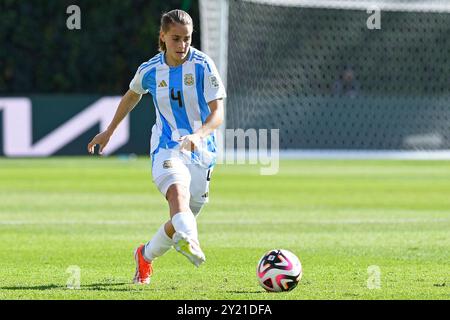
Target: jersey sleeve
x,y
213,85
136,84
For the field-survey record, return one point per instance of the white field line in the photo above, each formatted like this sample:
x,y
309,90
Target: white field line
x,y
236,222
362,154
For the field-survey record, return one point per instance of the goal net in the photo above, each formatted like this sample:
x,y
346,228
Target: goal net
x,y
336,76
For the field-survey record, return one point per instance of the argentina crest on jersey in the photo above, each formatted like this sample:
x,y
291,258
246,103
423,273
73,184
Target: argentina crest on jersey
x,y
189,79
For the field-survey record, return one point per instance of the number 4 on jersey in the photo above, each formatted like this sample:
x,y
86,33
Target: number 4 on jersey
x,y
177,97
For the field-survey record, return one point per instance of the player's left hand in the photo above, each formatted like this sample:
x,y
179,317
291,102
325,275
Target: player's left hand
x,y
190,142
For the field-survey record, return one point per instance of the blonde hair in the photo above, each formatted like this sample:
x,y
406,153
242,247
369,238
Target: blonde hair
x,y
172,17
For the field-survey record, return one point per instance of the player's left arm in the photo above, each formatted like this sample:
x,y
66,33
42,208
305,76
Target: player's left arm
x,y
212,122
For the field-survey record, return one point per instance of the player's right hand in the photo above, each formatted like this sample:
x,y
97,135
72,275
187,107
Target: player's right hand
x,y
101,139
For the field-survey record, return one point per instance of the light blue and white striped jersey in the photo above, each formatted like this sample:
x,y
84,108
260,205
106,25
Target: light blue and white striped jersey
x,y
181,95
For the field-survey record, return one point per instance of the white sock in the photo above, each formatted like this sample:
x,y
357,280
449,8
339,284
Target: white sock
x,y
160,244
185,222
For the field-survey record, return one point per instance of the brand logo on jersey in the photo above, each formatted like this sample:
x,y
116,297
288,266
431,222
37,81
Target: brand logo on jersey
x,y
162,84
214,82
205,195
167,164
189,79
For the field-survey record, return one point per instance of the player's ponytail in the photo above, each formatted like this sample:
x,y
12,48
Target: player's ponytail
x,y
171,17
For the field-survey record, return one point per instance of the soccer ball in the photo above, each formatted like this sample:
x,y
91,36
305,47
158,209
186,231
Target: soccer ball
x,y
279,270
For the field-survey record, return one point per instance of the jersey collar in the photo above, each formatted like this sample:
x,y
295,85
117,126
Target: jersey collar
x,y
189,58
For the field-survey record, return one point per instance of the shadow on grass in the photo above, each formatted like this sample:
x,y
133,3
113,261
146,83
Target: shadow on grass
x,y
245,291
107,286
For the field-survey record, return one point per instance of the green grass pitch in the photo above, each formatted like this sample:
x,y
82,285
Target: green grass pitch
x,y
339,217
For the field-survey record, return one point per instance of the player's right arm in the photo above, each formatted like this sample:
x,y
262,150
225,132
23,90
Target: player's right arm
x,y
128,102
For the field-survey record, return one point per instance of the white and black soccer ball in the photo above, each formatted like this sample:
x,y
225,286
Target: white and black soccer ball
x,y
279,270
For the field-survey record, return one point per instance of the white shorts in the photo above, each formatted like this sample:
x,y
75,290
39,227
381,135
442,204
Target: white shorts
x,y
170,167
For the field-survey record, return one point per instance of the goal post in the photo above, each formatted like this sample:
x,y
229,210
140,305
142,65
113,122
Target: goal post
x,y
334,77
214,42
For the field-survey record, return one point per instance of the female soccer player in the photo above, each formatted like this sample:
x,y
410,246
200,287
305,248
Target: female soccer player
x,y
188,96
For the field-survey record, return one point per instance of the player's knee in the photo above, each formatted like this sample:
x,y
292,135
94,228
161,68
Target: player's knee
x,y
177,191
177,194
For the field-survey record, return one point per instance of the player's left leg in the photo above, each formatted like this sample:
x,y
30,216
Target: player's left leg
x,y
185,237
199,188
182,227
199,193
